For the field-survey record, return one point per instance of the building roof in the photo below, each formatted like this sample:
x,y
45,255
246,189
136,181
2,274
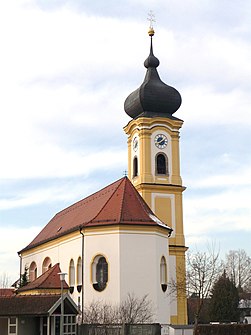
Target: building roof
x,y
35,305
117,204
7,292
153,97
48,280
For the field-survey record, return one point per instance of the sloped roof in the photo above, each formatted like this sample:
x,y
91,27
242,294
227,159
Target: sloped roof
x,y
117,203
7,292
34,305
48,280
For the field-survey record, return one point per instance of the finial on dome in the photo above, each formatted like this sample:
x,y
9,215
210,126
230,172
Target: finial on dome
x,y
153,98
151,18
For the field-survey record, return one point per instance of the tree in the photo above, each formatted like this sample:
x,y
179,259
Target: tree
x,y
134,310
4,280
203,268
131,310
24,277
224,300
238,268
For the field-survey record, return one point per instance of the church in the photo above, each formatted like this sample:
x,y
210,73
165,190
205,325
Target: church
x,y
127,238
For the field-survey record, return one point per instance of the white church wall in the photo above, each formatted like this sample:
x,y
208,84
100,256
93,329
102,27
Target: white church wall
x,y
140,256
133,259
107,245
61,252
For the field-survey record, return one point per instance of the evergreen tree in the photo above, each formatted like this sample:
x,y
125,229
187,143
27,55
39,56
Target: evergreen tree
x,y
24,277
224,300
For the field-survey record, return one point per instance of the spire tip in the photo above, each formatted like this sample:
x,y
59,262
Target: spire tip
x,y
151,18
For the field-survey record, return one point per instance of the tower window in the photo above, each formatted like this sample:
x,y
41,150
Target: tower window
x,y
99,273
161,164
135,166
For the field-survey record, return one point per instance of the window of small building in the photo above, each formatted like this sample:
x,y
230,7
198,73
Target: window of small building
x,y
161,164
33,271
99,273
135,167
163,274
12,325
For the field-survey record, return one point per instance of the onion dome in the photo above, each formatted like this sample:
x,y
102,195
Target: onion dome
x,y
153,97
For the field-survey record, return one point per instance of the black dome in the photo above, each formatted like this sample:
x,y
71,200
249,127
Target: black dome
x,y
153,97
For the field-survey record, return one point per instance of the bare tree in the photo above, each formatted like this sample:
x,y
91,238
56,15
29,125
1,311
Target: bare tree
x,y
98,312
4,280
238,268
134,310
131,310
203,268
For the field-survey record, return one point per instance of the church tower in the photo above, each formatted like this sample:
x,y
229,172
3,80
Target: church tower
x,y
154,166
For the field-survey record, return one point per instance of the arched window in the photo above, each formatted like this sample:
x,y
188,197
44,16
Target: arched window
x,y
71,275
46,264
33,271
99,273
161,164
163,274
135,166
79,274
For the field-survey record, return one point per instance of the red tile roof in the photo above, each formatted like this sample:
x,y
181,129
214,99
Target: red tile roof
x,y
7,292
118,203
36,305
27,304
48,280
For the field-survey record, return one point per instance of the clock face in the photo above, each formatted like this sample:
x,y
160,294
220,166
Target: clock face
x,y
160,141
135,143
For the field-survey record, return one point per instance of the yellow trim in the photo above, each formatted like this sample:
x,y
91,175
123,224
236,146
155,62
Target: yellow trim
x,y
50,244
132,229
179,253
42,291
94,229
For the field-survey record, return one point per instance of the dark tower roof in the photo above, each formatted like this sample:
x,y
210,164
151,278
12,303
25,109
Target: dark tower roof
x,y
153,97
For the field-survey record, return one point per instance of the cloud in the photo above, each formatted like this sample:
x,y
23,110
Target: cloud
x,y
9,260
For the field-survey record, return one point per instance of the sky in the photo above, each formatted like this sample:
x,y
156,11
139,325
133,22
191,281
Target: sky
x,y
66,68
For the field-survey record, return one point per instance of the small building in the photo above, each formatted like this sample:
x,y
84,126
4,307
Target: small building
x,y
245,309
36,308
181,330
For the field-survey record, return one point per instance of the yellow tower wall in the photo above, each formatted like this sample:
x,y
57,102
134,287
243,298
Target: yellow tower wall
x,y
163,193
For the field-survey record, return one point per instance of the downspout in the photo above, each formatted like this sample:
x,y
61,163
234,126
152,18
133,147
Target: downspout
x,y
82,316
